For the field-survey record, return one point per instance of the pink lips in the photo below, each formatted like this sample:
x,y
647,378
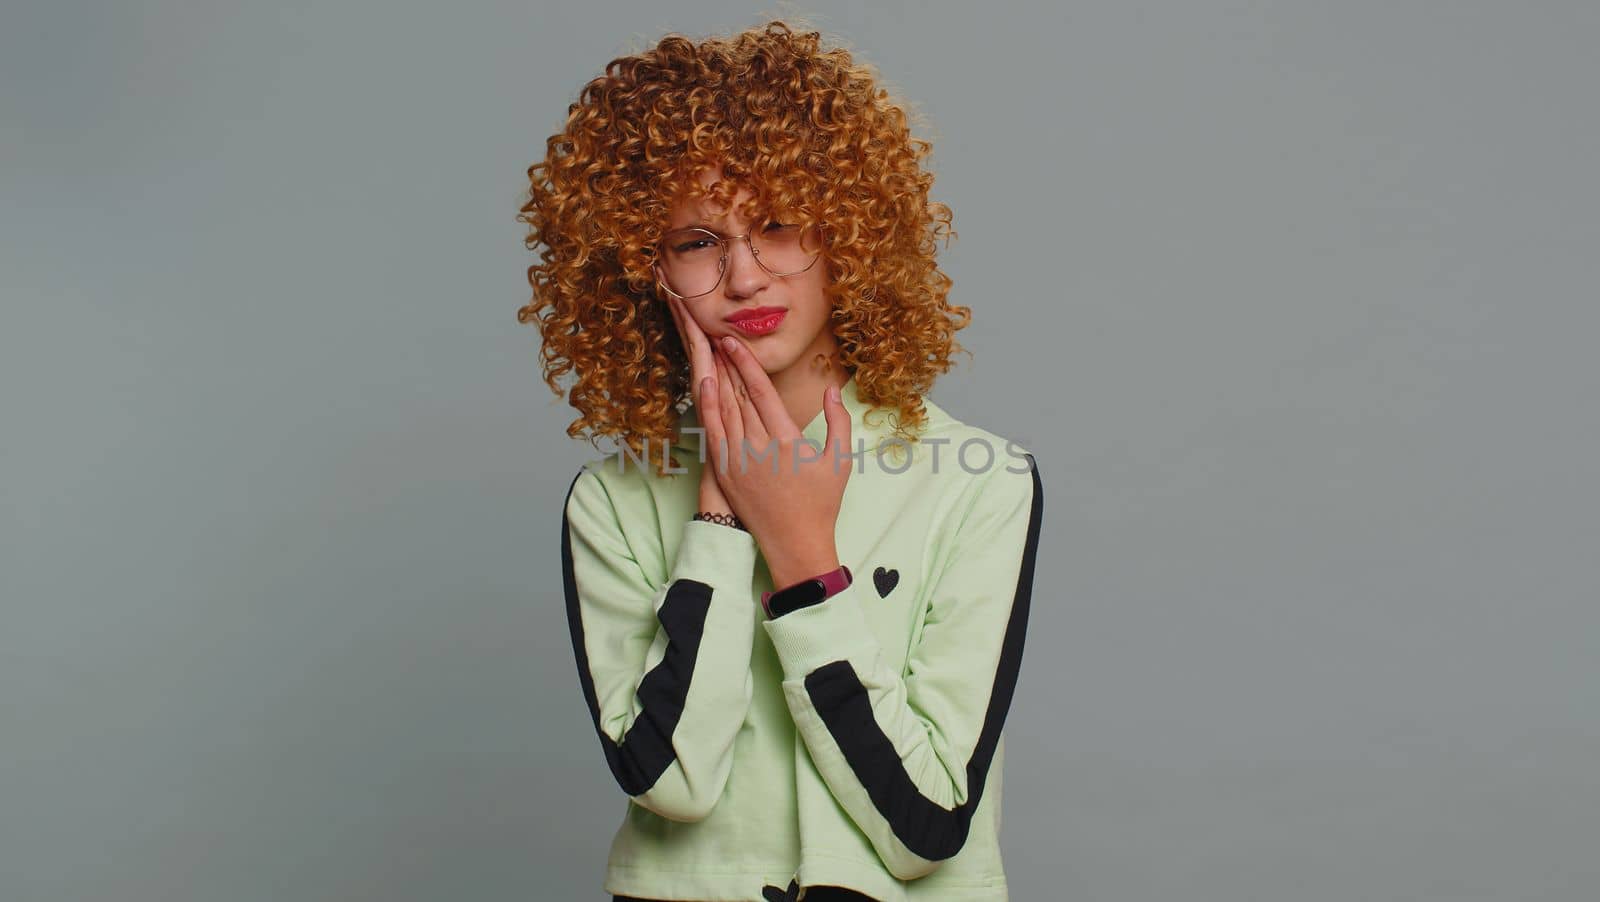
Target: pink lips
x,y
759,321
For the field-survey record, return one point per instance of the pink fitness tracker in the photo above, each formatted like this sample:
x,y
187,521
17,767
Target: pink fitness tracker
x,y
805,593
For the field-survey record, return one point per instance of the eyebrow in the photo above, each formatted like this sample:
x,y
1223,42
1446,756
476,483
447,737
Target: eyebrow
x,y
698,223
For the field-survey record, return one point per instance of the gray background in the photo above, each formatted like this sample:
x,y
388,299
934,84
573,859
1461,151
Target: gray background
x,y
1294,303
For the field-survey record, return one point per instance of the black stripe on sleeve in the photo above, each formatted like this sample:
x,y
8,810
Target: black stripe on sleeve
x,y
646,750
925,827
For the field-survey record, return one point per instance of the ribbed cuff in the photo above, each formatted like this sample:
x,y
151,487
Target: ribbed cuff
x,y
715,554
813,636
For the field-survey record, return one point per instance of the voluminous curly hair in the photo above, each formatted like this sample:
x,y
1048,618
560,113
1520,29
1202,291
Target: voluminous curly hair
x,y
813,136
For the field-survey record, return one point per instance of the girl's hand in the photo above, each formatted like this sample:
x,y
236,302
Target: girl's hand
x,y
791,504
702,363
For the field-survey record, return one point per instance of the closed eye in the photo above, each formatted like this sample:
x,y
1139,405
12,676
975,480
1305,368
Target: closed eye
x,y
695,244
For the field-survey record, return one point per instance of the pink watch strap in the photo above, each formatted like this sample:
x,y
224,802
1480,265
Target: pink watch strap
x,y
833,582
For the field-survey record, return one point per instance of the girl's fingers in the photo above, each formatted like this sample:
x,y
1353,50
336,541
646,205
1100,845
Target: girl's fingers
x,y
753,427
692,341
697,338
771,413
728,405
697,372
695,345
711,422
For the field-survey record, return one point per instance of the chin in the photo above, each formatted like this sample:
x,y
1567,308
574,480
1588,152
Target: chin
x,y
774,361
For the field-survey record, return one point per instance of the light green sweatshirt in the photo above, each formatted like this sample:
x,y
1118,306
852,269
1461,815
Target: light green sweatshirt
x,y
855,742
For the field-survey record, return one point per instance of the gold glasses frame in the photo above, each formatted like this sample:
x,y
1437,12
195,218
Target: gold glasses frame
x,y
725,243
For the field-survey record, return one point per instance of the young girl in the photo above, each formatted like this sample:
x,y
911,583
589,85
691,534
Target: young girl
x,y
798,590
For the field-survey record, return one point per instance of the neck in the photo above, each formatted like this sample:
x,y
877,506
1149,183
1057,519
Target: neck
x,y
801,385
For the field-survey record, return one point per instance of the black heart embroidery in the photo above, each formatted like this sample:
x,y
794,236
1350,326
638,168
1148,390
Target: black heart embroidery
x,y
885,580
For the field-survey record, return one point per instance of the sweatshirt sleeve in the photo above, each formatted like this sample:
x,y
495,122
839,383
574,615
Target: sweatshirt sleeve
x,y
665,669
907,756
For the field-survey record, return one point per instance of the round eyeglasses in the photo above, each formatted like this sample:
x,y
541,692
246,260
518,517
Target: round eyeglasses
x,y
691,262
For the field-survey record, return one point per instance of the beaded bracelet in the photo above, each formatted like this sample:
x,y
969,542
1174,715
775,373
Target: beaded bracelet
x,y
724,519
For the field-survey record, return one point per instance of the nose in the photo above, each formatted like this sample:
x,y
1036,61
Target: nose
x,y
745,276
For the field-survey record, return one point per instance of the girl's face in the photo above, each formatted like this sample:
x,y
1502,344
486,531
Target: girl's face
x,y
802,333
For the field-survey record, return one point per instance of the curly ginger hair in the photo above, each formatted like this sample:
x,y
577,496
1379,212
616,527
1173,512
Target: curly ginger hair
x,y
811,134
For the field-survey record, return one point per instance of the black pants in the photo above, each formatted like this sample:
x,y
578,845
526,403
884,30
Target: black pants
x,y
813,894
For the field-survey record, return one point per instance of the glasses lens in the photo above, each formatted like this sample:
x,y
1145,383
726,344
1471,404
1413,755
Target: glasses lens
x,y
785,249
691,261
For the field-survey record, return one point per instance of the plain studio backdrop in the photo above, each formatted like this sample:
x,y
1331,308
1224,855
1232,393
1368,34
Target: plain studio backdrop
x,y
1295,304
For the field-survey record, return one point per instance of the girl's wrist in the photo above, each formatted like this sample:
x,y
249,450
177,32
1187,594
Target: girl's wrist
x,y
802,564
722,517
712,499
